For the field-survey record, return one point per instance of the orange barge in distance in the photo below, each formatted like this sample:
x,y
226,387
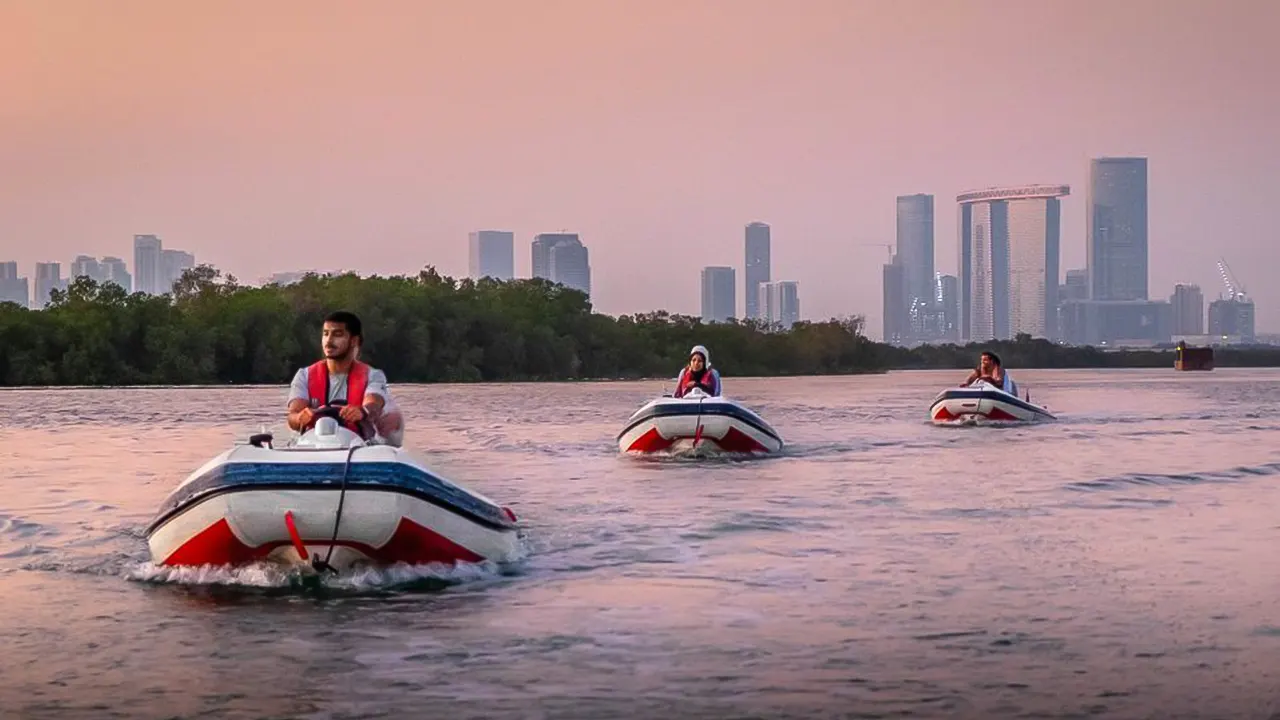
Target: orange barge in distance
x,y
1189,358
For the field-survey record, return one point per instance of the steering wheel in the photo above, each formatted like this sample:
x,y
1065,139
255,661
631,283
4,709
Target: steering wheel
x,y
330,411
333,409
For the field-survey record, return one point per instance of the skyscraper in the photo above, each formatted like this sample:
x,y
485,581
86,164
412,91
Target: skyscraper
x,y
108,270
13,289
719,293
757,250
1116,250
894,304
571,266
85,266
48,278
492,254
541,251
114,271
1009,251
1232,316
1188,309
1076,286
562,258
780,302
1073,290
948,299
172,265
915,249
147,270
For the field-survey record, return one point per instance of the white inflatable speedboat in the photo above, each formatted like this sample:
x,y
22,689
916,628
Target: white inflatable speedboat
x,y
983,401
697,421
330,500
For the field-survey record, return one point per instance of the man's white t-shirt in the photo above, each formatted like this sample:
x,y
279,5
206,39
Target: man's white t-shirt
x,y
377,385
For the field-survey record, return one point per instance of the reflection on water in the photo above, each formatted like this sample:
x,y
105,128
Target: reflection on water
x,y
1117,563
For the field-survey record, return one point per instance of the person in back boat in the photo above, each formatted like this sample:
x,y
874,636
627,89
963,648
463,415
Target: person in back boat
x,y
698,374
990,370
341,376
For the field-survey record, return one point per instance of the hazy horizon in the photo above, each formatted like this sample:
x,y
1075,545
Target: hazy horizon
x,y
375,138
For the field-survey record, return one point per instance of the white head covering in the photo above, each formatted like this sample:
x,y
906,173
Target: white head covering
x,y
702,350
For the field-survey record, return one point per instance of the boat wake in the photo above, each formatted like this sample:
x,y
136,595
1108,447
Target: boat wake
x,y
702,453
267,576
1236,474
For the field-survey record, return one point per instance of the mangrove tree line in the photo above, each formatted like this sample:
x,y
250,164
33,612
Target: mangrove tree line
x,y
432,328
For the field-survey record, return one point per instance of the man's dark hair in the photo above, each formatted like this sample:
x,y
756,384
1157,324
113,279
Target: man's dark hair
x,y
349,320
995,359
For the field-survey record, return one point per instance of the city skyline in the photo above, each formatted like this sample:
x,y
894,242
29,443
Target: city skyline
x,y
307,150
914,219
1010,279
941,319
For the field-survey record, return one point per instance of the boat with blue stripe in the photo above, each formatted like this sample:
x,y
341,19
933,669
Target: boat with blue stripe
x,y
331,501
697,421
983,401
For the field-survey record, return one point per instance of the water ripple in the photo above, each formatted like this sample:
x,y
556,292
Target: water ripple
x,y
1117,563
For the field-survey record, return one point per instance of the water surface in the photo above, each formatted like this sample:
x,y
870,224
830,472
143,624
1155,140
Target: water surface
x,y
1119,563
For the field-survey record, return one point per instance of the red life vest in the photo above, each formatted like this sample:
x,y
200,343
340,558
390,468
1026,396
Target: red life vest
x,y
318,386
709,385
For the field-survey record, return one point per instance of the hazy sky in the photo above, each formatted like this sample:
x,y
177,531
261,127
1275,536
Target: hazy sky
x,y
269,136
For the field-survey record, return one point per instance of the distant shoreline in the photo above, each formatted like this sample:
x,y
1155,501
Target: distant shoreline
x,y
669,380
209,332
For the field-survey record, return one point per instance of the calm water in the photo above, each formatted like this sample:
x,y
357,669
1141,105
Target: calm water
x,y
1119,563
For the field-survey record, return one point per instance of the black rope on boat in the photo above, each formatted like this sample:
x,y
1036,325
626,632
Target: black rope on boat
x,y
316,562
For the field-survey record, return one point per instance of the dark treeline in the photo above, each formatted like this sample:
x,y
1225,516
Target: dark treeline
x,y
429,328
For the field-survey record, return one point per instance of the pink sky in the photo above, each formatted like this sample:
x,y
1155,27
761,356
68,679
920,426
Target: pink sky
x,y
273,136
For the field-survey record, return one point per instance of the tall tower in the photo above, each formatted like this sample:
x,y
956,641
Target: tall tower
x,y
719,294
147,269
915,249
757,266
48,278
172,264
1188,309
894,304
562,258
1009,254
491,253
1116,245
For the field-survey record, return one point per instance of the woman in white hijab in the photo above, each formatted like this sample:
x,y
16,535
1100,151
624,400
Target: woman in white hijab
x,y
698,374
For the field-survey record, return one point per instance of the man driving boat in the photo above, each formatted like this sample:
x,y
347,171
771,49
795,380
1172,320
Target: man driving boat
x,y
698,374
990,370
341,376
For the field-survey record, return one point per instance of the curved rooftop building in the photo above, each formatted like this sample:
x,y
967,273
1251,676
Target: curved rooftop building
x,y
1008,265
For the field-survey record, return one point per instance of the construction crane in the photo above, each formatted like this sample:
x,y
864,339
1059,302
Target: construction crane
x,y
1235,291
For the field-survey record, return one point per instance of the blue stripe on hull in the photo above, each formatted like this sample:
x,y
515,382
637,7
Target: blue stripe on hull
x,y
709,408
1006,398
386,476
